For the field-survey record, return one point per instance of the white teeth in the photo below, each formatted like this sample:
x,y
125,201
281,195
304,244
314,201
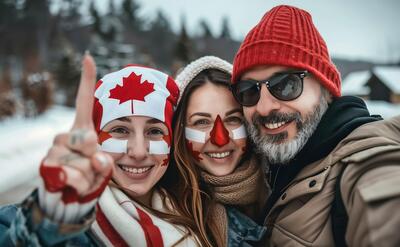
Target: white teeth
x,y
135,170
274,125
219,155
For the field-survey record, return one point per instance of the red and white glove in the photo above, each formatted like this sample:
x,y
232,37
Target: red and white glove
x,y
60,201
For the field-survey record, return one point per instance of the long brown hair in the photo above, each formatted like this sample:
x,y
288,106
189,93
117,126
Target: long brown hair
x,y
195,196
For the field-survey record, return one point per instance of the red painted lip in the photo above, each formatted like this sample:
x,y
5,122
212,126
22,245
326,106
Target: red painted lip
x,y
138,176
277,130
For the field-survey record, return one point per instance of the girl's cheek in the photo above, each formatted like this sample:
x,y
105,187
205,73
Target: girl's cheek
x,y
239,133
115,156
241,144
195,149
159,147
165,160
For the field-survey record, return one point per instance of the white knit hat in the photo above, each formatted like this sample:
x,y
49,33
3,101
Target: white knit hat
x,y
197,66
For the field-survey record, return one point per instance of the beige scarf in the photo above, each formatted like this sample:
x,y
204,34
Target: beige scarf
x,y
242,188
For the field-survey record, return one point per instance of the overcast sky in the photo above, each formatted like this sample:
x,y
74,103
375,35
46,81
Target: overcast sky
x,y
355,29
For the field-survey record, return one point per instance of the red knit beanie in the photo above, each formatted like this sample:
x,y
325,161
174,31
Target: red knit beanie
x,y
286,36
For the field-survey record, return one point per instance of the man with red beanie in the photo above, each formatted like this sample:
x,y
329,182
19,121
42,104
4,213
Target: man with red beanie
x,y
333,168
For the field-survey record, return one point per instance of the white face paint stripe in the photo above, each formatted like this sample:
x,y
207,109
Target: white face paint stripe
x,y
239,133
158,147
114,146
195,135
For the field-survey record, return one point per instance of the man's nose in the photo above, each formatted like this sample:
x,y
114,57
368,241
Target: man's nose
x,y
137,147
267,103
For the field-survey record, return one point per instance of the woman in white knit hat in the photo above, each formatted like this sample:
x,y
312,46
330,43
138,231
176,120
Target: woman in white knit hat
x,y
108,181
211,141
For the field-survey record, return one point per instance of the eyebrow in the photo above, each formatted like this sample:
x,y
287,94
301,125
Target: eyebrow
x,y
153,121
150,121
202,114
124,119
234,111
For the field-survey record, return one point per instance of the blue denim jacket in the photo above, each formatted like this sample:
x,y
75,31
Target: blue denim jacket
x,y
18,228
242,229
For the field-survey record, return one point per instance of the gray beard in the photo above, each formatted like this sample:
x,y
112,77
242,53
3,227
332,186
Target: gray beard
x,y
274,147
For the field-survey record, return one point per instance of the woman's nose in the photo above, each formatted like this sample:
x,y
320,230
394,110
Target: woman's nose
x,y
137,147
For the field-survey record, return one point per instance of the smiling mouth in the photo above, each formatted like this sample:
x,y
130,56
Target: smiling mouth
x,y
218,155
273,126
134,170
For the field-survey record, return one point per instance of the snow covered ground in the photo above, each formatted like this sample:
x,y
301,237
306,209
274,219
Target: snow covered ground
x,y
24,142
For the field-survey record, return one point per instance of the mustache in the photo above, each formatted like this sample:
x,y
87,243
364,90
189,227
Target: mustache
x,y
277,117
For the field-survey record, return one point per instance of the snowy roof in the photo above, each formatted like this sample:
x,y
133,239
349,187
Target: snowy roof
x,y
355,83
385,109
390,76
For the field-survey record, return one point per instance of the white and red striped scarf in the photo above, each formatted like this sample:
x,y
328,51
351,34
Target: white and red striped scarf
x,y
122,222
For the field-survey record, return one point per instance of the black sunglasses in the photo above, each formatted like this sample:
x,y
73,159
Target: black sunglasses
x,y
285,85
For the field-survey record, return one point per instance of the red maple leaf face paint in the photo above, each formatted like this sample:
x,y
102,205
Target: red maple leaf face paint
x,y
165,161
219,135
112,145
167,139
103,136
195,154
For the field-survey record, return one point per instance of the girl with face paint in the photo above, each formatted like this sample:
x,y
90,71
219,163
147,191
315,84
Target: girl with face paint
x,y
210,139
116,189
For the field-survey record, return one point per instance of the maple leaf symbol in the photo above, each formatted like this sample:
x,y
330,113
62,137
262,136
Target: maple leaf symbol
x,y
103,136
132,89
165,161
167,139
196,154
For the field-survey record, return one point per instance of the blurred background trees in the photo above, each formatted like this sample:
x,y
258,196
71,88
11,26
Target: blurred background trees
x,y
43,41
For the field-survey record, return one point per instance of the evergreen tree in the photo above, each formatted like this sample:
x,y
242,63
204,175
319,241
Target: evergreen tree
x,y
8,14
225,31
160,40
183,46
206,30
36,16
8,23
67,76
160,24
130,12
111,8
95,16
70,8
